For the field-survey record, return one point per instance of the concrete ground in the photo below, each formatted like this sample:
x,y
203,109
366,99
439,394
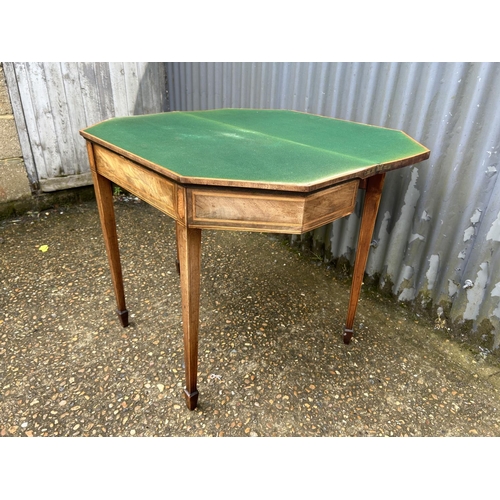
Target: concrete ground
x,y
271,358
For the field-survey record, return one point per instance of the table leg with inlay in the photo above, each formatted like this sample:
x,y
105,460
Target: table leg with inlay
x,y
104,197
373,194
189,248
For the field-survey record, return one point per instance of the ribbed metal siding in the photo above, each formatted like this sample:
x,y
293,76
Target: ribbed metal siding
x,y
439,221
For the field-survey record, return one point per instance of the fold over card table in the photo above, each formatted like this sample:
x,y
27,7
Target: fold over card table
x,y
247,170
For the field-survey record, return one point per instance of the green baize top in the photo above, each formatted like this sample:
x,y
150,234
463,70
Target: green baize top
x,y
268,146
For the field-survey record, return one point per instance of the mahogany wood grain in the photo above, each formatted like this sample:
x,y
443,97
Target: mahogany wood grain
x,y
189,248
255,210
104,196
373,194
329,204
145,184
251,210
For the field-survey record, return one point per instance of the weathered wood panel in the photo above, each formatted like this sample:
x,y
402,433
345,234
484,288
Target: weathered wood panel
x,y
76,117
53,81
25,109
22,129
119,89
53,101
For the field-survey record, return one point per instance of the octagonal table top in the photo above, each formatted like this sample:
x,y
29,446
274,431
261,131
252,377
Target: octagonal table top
x,y
267,149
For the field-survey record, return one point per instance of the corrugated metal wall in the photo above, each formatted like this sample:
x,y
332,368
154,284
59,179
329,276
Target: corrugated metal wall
x,y
439,221
53,101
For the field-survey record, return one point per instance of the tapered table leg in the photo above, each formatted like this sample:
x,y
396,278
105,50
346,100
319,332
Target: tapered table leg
x,y
177,264
373,194
104,197
189,248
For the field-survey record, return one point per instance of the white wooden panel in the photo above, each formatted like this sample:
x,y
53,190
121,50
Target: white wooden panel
x,y
54,101
45,122
105,90
76,114
60,119
22,129
28,110
90,93
132,86
145,88
119,88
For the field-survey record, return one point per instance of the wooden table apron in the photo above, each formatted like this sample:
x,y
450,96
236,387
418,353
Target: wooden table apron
x,y
196,207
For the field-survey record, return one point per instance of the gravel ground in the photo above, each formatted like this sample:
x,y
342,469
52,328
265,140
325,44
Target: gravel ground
x,y
271,358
